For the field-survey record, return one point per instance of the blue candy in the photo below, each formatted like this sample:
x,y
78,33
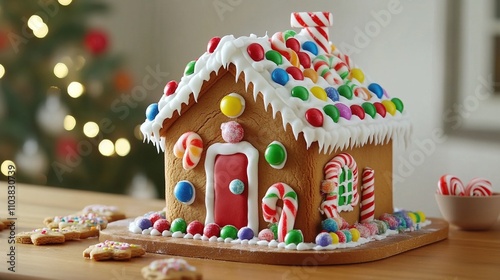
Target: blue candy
x,y
245,233
144,223
332,93
311,47
236,186
184,192
152,111
377,89
280,76
324,239
330,225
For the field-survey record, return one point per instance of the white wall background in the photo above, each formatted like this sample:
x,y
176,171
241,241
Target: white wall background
x,y
403,48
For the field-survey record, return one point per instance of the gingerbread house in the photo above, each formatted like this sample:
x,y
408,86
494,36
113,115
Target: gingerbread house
x,y
283,129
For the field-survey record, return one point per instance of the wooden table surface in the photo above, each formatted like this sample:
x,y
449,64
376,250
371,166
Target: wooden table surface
x,y
464,255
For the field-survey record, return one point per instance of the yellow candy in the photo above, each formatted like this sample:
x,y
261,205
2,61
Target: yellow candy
x,y
311,74
413,217
355,234
232,105
335,238
319,92
294,59
389,107
333,48
421,215
357,74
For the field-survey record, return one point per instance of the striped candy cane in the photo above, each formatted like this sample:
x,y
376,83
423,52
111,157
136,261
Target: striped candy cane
x,y
189,147
478,187
332,170
367,196
272,213
316,25
325,64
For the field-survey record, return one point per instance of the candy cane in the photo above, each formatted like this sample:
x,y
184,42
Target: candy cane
x,y
272,213
316,25
450,185
367,196
478,187
362,93
278,43
189,147
332,171
323,64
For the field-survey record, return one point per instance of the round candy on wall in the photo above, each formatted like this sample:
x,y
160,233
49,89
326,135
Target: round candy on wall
x,y
398,103
274,56
293,44
345,91
314,117
178,224
229,231
232,105
212,44
377,89
319,92
245,233
232,132
276,155
294,237
255,51
152,111
369,109
304,59
189,68
280,76
332,111
170,88
295,72
332,93
300,92
211,229
236,186
195,227
184,192
311,47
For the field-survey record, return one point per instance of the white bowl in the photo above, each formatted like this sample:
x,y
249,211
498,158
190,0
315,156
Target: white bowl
x,y
470,212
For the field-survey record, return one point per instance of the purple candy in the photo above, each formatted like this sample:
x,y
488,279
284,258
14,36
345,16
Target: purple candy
x,y
245,233
144,223
344,111
323,239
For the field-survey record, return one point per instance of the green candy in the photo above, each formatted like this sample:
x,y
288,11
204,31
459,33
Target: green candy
x,y
275,154
178,225
274,229
369,109
189,68
345,91
399,104
289,33
332,111
294,236
229,231
274,56
300,92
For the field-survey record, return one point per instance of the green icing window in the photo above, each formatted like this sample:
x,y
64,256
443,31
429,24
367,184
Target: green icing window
x,y
345,189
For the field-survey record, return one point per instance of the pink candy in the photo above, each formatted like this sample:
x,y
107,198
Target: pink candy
x,y
232,132
451,185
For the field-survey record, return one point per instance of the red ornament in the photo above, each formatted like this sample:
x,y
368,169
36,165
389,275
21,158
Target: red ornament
x,y
304,59
255,51
170,88
212,44
66,146
96,41
295,72
358,111
380,108
314,117
293,44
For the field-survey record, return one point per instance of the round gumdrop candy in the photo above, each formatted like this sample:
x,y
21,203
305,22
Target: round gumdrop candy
x,y
293,44
389,107
189,68
314,117
323,239
357,74
152,111
348,235
266,234
236,186
294,236
178,224
274,56
398,103
319,92
195,227
304,59
153,217
212,44
300,92
380,109
229,231
421,215
377,89
332,111
245,233
280,76
274,228
332,93
184,192
335,238
295,73
355,234
344,111
232,132
144,223
275,155
232,105
329,225
342,237
170,88
358,111
311,47
211,229
255,51
369,109
345,91
161,225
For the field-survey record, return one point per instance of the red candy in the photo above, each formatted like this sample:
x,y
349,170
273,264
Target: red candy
x,y
358,111
232,132
293,44
195,227
212,44
256,51
161,225
478,187
304,59
341,235
380,108
170,88
295,72
314,117
211,229
450,185
154,217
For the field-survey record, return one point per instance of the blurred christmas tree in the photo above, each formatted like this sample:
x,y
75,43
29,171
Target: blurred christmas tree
x,y
60,88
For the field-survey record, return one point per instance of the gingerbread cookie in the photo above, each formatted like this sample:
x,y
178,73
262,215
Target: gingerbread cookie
x,y
44,236
91,221
111,213
170,269
113,250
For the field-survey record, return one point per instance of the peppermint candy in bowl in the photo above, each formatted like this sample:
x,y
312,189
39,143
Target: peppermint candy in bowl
x,y
471,207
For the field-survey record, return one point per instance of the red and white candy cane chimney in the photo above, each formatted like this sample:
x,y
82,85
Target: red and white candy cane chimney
x,y
316,25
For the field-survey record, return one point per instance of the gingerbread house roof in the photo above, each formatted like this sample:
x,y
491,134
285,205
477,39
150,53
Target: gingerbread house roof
x,y
317,89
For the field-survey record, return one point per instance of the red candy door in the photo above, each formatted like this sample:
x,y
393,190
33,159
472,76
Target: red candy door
x,y
230,208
